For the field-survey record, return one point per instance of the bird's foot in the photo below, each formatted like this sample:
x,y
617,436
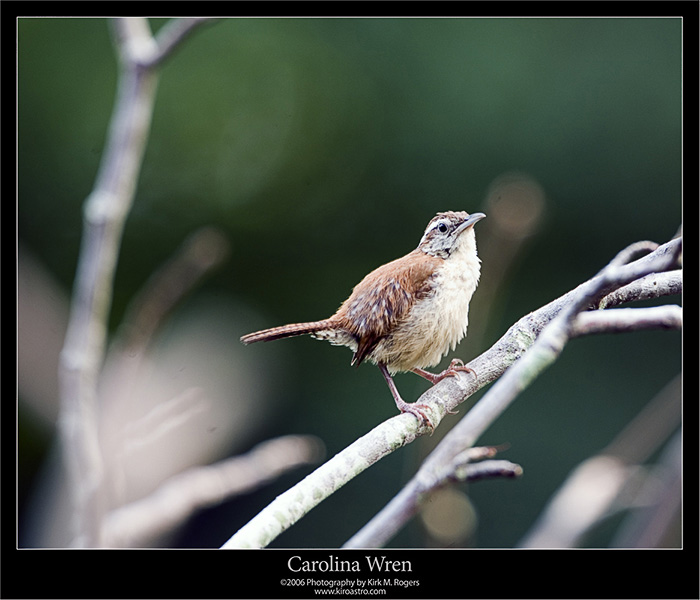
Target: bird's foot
x,y
417,410
455,367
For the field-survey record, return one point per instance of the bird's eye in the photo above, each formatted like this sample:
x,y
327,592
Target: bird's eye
x,y
442,228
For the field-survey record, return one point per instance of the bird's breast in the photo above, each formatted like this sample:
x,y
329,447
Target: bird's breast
x,y
436,323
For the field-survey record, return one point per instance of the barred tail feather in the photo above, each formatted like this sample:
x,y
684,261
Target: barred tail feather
x,y
284,331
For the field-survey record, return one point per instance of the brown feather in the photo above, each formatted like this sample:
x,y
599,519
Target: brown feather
x,y
383,299
284,331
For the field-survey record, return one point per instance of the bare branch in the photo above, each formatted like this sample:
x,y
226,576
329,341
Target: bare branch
x,y
599,485
135,524
201,252
83,352
293,504
658,502
489,469
624,320
626,254
443,397
465,468
138,47
653,285
172,34
585,497
134,41
163,418
105,212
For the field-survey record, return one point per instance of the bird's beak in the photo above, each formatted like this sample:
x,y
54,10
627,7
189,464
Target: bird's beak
x,y
470,221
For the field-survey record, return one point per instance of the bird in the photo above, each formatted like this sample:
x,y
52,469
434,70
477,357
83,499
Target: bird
x,y
408,313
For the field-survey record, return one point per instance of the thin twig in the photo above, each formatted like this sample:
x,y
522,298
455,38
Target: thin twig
x,y
651,286
598,485
172,34
661,497
623,320
489,469
469,466
199,254
137,523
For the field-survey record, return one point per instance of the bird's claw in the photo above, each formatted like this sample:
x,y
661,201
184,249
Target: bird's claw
x,y
417,410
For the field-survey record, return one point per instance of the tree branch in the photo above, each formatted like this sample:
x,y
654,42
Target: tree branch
x,y
624,320
293,504
135,524
653,285
199,254
658,502
471,466
443,397
105,212
600,484
173,34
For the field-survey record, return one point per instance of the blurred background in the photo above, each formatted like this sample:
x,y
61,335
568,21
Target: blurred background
x,y
311,151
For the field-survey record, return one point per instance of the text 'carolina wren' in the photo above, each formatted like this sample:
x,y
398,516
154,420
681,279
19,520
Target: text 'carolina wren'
x,y
407,314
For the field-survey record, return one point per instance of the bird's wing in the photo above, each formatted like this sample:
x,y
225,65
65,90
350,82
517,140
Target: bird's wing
x,y
384,298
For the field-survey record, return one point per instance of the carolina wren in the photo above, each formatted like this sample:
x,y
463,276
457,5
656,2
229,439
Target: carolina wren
x,y
407,314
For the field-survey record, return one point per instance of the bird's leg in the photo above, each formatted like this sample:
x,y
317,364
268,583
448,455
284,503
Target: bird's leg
x,y
413,408
455,366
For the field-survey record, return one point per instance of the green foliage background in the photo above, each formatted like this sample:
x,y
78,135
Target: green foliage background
x,y
321,148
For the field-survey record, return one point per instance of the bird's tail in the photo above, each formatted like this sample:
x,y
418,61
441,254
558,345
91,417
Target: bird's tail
x,y
284,331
